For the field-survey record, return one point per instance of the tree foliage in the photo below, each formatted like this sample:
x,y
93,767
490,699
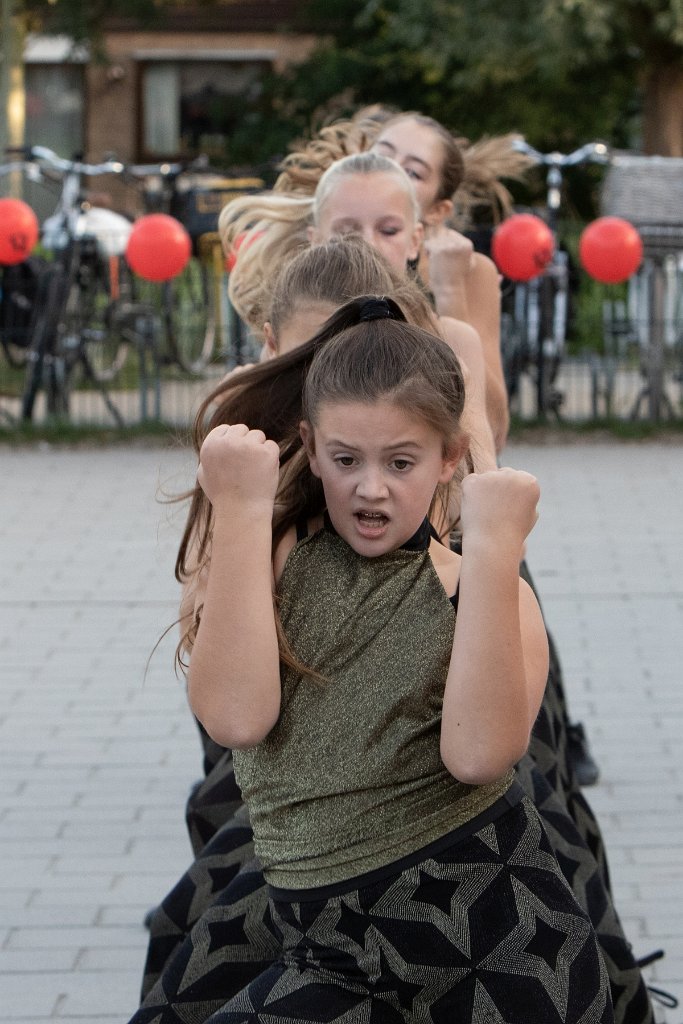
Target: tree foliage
x,y
560,71
83,20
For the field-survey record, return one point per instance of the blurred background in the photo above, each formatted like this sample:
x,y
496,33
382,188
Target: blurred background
x,y
208,97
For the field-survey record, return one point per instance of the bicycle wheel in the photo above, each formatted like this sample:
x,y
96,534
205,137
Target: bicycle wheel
x,y
40,357
550,345
88,329
189,312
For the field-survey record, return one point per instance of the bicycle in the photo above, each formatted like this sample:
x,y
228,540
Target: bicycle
x,y
648,191
199,322
535,313
82,278
18,288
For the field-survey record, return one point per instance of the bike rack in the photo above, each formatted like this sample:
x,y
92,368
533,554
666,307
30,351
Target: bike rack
x,y
648,191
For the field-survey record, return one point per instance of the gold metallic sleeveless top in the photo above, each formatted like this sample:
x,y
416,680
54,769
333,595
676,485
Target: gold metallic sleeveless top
x,y
350,779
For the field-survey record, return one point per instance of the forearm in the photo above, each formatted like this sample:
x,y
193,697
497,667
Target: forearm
x,y
483,312
497,407
486,712
465,342
234,675
450,298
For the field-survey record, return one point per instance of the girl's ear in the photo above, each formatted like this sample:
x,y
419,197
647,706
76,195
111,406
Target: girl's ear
x,y
416,241
452,459
308,438
270,341
439,212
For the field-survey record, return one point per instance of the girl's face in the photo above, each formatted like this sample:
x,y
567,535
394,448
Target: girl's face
x,y
376,206
379,466
304,321
419,151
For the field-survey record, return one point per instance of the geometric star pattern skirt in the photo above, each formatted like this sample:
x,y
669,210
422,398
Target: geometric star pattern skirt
x,y
213,933
487,931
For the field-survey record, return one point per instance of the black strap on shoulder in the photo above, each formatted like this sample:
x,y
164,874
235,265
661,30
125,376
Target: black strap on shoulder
x,y
456,596
301,527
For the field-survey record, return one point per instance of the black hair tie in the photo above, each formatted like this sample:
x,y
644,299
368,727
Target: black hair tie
x,y
375,309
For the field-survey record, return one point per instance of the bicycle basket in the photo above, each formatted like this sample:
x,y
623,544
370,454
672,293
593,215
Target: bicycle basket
x,y
18,289
648,191
197,203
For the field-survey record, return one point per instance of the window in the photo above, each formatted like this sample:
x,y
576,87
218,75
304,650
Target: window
x,y
192,107
54,118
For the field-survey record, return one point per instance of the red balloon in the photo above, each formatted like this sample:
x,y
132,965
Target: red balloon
x,y
522,246
158,247
610,249
231,258
18,230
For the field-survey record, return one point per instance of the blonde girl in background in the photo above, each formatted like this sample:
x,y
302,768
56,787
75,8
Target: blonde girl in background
x,y
367,195
223,894
453,179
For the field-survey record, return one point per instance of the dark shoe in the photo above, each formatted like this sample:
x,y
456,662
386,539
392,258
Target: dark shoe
x,y
579,756
149,917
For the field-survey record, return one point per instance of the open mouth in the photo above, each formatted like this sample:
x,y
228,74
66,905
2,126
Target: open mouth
x,y
371,523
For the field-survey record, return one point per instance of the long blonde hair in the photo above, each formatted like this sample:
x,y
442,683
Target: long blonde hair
x,y
470,175
273,227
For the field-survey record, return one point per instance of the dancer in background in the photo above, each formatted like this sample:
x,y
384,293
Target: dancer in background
x,y
213,933
379,625
453,180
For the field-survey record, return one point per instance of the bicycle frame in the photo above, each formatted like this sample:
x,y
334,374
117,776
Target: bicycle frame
x,y
76,236
542,304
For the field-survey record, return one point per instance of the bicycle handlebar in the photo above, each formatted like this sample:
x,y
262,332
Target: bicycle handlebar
x,y
165,170
58,163
596,152
36,156
41,155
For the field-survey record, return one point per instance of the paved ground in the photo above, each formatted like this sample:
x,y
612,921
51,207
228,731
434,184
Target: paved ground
x,y
97,749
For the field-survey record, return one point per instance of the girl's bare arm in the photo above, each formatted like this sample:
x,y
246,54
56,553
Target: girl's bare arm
x,y
465,285
482,288
499,664
465,342
234,674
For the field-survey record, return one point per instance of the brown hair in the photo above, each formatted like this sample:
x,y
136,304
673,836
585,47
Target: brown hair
x,y
350,357
335,272
452,170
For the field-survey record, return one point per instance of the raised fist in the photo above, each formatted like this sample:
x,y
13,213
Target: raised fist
x,y
238,466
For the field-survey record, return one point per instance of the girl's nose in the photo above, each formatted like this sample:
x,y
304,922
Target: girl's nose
x,y
371,485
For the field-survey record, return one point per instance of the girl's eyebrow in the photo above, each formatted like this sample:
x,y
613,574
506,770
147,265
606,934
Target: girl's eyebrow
x,y
409,156
334,442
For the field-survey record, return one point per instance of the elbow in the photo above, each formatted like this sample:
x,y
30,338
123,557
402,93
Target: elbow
x,y
232,724
480,767
236,735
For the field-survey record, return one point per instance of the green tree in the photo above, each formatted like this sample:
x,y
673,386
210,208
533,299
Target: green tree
x,y
652,30
560,71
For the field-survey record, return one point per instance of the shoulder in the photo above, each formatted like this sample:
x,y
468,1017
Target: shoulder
x,y
457,331
446,565
465,342
484,266
288,542
484,275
